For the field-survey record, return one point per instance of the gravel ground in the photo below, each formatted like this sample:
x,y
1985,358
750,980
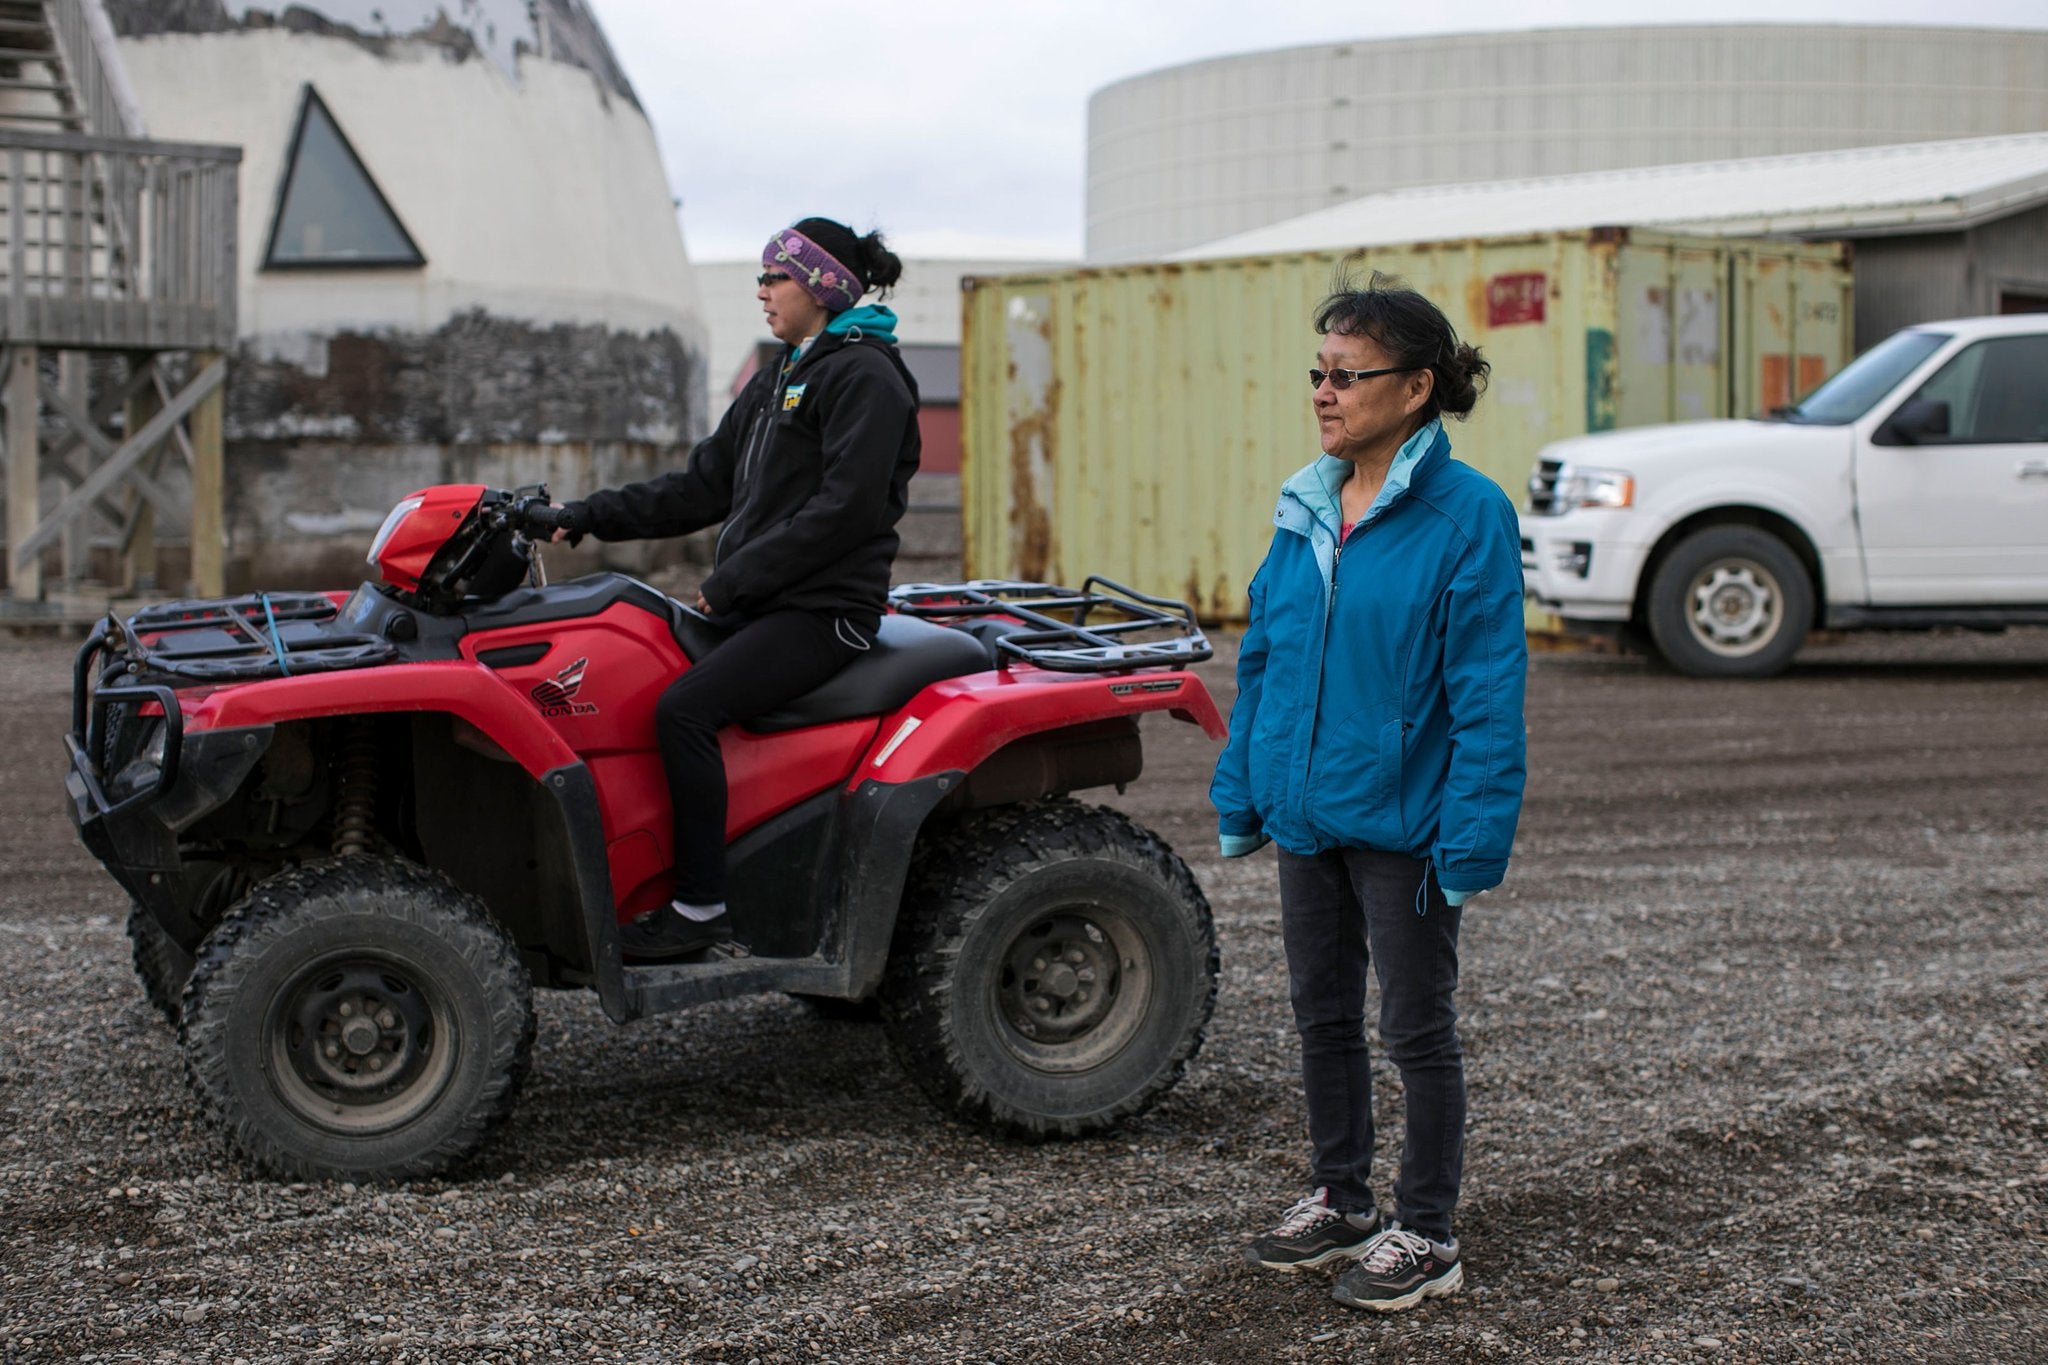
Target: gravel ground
x,y
1756,1036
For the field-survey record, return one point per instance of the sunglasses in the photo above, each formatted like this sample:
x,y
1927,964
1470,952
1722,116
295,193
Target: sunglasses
x,y
768,277
1341,380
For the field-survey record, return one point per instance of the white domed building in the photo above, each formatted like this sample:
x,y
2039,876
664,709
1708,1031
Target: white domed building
x,y
459,259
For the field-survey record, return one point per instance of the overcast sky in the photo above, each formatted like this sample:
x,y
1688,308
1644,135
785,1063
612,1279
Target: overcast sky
x,y
960,128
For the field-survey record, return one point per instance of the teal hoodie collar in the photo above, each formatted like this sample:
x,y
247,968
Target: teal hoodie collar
x,y
1315,486
866,322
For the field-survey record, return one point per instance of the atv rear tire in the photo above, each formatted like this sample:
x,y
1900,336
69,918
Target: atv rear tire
x,y
160,963
1053,970
357,1019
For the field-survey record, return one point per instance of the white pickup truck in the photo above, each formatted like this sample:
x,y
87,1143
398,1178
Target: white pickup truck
x,y
1908,491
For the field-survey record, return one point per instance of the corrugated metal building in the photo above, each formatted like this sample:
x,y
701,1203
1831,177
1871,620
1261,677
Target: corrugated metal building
x,y
1194,152
1941,229
1135,421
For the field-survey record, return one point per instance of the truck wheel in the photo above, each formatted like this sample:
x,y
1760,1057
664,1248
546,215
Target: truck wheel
x,y
160,963
1053,970
357,1019
1730,602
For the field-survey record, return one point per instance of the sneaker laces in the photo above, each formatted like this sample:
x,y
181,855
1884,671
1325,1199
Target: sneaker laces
x,y
1305,1214
1392,1248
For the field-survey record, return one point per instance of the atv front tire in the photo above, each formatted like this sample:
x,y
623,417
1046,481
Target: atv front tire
x,y
160,963
1053,970
357,1019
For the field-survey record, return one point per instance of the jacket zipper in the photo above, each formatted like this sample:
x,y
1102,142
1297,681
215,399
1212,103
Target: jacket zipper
x,y
757,440
1322,644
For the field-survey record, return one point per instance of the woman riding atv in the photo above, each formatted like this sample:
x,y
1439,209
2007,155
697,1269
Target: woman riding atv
x,y
809,472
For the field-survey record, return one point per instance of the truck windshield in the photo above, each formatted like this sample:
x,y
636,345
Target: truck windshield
x,y
1864,380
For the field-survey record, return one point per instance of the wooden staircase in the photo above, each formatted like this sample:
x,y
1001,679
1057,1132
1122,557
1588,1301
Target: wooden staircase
x,y
114,245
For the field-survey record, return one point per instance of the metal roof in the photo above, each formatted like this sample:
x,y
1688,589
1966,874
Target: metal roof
x,y
1859,192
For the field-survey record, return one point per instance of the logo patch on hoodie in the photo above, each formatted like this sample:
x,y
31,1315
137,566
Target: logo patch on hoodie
x,y
791,396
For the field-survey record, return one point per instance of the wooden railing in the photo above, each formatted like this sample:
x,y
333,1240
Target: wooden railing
x,y
115,243
85,40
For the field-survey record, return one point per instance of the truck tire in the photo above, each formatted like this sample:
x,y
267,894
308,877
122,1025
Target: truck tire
x,y
160,964
1730,602
1053,970
357,1019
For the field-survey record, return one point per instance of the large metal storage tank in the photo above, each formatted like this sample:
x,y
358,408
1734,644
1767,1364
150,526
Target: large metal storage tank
x,y
1136,421
1192,153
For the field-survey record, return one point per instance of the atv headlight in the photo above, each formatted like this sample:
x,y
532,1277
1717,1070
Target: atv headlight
x,y
141,771
406,507
1577,487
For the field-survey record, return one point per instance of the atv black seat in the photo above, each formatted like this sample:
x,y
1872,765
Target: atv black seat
x,y
908,655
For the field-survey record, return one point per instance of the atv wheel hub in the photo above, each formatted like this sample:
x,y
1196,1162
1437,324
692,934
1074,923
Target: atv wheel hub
x,y
357,1045
1073,987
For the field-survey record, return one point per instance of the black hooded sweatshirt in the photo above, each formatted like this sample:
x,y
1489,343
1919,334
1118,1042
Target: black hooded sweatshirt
x,y
809,471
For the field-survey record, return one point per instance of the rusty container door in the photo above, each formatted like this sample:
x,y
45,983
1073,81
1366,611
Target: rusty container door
x,y
1712,328
1137,421
1793,326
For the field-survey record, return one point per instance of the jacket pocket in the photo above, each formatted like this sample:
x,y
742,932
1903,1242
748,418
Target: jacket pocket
x,y
1355,785
1389,788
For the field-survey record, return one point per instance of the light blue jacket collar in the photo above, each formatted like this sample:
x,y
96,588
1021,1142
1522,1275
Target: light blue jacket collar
x,y
1315,487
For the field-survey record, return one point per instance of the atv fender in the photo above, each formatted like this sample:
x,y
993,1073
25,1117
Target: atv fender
x,y
952,726
468,691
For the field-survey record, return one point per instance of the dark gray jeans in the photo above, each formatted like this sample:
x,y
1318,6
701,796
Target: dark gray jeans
x,y
1344,913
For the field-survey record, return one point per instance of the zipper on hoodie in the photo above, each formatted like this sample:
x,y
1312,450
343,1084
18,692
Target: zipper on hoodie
x,y
758,437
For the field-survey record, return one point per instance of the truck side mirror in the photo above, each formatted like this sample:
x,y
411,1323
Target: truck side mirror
x,y
1915,421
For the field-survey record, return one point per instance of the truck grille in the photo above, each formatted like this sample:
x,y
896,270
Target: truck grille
x,y
1543,485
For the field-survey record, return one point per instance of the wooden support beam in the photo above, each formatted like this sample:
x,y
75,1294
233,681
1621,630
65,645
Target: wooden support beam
x,y
138,541
130,453
72,388
85,430
24,473
208,455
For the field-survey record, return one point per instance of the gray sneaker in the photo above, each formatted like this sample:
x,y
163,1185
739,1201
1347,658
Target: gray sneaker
x,y
1311,1233
1400,1270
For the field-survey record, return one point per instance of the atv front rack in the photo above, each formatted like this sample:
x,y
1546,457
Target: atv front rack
x,y
1104,627
236,639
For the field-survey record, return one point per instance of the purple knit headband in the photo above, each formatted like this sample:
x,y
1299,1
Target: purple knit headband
x,y
821,274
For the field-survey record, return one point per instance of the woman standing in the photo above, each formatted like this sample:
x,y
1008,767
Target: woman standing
x,y
1378,740
809,470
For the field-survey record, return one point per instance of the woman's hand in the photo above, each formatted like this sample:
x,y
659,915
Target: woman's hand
x,y
563,531
702,605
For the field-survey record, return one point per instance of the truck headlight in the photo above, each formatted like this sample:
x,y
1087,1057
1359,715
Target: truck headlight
x,y
1578,487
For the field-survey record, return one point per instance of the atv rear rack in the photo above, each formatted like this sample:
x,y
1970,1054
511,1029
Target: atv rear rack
x,y
1104,627
237,639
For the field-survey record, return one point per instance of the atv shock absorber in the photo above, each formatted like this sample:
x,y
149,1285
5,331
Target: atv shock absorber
x,y
355,809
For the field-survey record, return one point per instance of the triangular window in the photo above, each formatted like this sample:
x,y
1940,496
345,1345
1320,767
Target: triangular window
x,y
329,211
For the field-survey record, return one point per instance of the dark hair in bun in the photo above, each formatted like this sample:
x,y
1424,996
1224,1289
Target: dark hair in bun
x,y
869,257
1413,332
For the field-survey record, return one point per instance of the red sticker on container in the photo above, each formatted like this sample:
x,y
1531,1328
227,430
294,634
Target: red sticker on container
x,y
1515,298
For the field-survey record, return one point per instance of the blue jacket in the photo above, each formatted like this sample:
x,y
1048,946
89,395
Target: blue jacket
x,y
1380,684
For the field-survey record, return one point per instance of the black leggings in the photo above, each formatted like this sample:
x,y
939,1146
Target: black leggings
x,y
765,664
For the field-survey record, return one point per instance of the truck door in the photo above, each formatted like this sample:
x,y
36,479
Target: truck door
x,y
1961,517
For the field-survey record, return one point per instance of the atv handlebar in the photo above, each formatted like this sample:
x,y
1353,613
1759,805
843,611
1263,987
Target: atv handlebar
x,y
539,519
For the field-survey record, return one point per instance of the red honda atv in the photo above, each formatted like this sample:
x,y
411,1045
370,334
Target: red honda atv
x,y
358,828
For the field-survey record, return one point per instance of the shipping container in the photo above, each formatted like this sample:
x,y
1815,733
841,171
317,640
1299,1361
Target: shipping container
x,y
1136,421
